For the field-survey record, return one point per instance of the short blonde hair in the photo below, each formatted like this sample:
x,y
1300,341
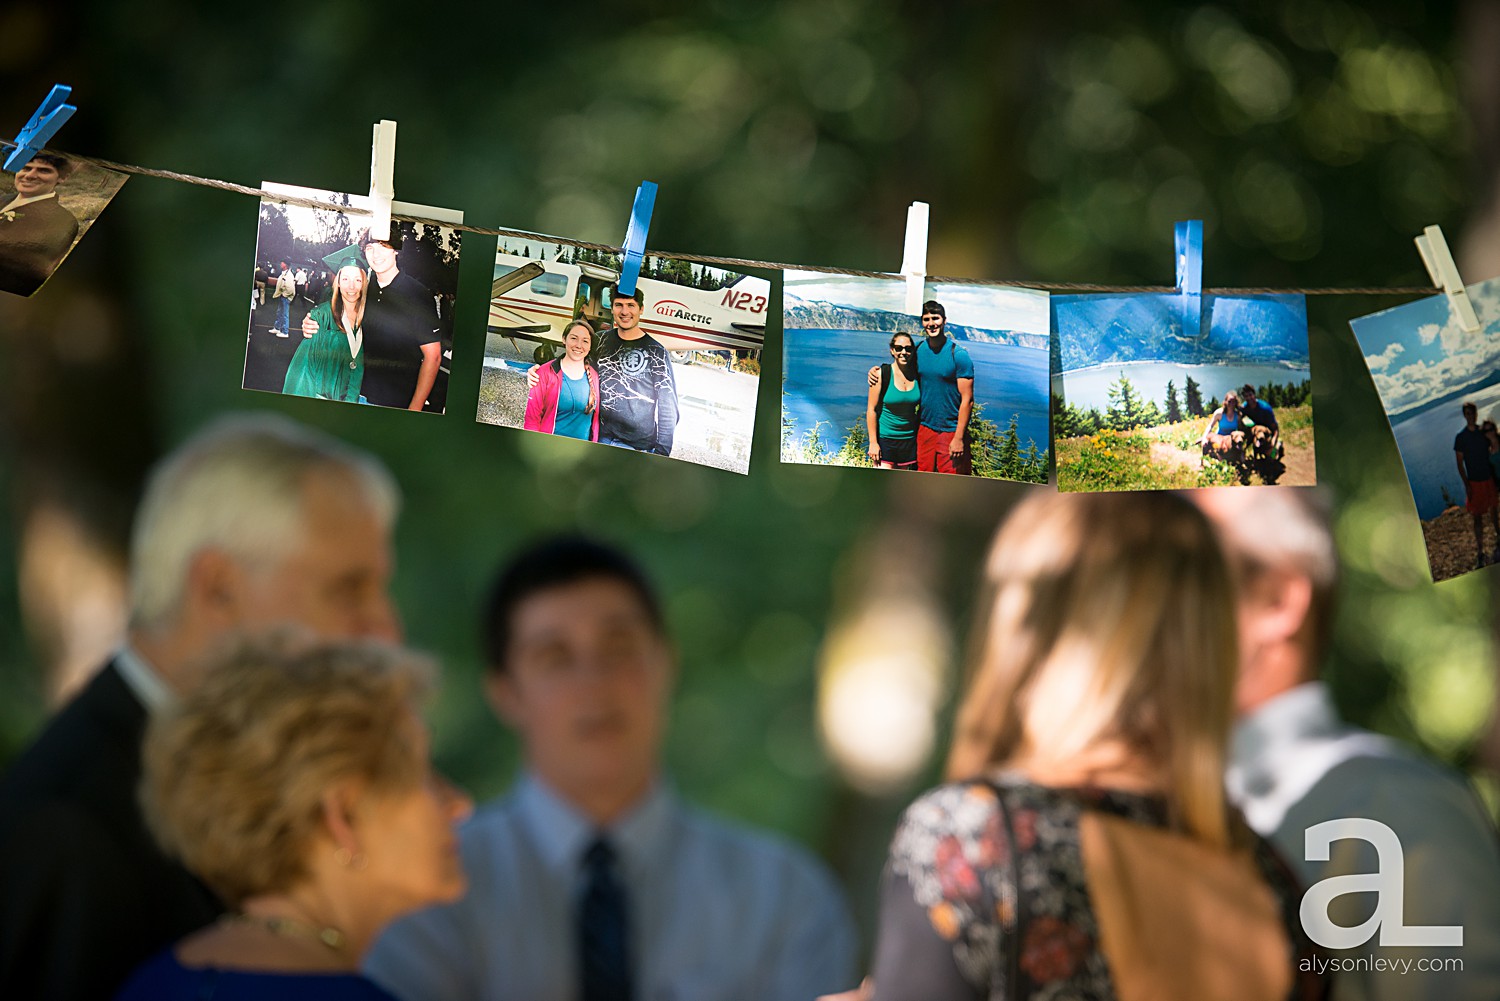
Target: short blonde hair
x,y
235,774
1111,617
238,486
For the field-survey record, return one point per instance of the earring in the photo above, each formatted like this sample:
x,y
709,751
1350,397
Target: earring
x,y
345,858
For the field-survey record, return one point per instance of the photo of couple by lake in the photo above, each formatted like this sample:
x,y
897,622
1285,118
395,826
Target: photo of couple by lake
x,y
959,388
1440,386
1140,403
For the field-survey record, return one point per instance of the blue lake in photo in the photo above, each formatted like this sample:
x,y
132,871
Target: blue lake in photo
x,y
1426,443
1089,387
825,380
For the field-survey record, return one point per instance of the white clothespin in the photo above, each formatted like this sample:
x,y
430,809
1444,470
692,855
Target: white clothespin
x,y
382,178
914,256
1439,261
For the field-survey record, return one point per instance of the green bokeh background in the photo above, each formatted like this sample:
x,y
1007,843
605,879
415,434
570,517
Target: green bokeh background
x,y
1055,142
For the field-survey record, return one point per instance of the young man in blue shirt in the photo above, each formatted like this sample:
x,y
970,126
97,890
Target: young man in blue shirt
x,y
593,880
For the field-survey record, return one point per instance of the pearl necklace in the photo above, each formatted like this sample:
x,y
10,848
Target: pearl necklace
x,y
276,925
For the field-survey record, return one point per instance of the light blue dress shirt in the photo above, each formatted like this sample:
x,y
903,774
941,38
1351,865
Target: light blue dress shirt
x,y
717,912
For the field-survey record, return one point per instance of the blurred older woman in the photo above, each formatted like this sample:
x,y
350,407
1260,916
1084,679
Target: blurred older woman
x,y
1084,847
295,782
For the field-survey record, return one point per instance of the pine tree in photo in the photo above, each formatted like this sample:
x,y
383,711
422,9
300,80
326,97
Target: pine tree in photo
x,y
1125,411
1194,398
1173,411
1010,449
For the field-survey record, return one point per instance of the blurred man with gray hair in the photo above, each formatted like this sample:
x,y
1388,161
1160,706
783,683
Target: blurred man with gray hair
x,y
1295,764
257,522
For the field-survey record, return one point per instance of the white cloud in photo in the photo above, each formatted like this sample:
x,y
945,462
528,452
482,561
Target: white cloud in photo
x,y
987,307
1408,376
1382,361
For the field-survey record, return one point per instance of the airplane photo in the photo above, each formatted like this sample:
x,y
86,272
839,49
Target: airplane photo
x,y
699,336
533,300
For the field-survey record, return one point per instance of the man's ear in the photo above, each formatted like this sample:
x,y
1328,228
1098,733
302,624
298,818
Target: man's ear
x,y
504,696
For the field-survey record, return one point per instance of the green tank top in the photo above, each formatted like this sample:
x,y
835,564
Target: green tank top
x,y
898,412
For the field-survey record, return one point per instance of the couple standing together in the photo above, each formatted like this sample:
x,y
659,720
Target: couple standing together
x,y
620,391
919,404
376,340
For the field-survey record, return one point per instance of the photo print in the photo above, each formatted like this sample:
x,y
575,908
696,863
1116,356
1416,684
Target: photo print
x,y
336,316
960,389
672,370
45,208
1440,386
1141,403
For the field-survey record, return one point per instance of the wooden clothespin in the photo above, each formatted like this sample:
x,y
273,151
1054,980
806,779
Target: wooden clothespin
x,y
382,178
1188,236
54,111
914,256
635,236
1444,272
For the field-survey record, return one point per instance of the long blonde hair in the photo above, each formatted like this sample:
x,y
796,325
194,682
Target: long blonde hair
x,y
1111,619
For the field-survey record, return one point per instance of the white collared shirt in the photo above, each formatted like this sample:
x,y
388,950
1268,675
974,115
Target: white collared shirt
x,y
18,202
716,912
143,681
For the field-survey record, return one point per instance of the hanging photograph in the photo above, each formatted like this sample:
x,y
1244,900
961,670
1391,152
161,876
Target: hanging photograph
x,y
960,388
1440,386
335,315
672,369
45,208
1143,400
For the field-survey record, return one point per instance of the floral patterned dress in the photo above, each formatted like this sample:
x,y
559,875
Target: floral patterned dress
x,y
950,900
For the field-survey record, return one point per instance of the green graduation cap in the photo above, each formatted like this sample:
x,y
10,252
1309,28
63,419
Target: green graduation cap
x,y
347,255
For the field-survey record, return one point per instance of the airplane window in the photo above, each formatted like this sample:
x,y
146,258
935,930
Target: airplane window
x,y
550,284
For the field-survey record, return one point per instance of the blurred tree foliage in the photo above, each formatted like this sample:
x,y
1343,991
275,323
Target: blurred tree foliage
x,y
1056,142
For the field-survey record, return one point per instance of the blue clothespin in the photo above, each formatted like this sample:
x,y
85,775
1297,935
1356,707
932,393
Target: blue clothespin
x,y
42,127
635,235
1189,238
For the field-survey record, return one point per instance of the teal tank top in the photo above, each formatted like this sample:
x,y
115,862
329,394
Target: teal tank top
x,y
573,417
898,412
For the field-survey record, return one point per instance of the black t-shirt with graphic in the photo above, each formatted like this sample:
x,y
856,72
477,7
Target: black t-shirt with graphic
x,y
637,392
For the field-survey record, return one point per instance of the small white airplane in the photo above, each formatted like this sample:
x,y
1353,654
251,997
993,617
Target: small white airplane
x,y
534,300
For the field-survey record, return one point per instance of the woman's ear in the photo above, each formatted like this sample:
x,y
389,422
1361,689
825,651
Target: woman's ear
x,y
340,806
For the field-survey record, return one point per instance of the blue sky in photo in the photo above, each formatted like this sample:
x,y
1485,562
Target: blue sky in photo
x,y
1418,353
986,307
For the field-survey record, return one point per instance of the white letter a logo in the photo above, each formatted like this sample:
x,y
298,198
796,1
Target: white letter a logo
x,y
1386,883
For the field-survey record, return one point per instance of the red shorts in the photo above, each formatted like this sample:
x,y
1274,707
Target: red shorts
x,y
933,456
1482,496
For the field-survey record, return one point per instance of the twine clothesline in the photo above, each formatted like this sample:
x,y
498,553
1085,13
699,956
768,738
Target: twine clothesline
x,y
739,262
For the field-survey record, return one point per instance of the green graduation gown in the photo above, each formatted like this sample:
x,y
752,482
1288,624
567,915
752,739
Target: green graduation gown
x,y
322,367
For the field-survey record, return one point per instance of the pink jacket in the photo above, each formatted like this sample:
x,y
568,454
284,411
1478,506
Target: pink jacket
x,y
541,404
